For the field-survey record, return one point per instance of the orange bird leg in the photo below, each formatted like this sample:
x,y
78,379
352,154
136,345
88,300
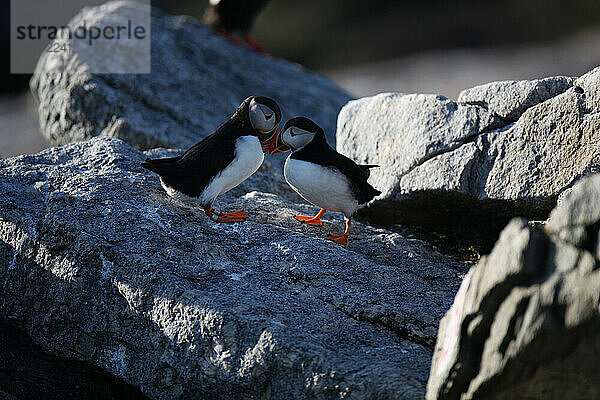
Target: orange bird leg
x,y
315,221
342,239
254,44
236,216
225,33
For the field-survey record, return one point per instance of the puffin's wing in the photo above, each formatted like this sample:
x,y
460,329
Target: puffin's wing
x,y
356,174
190,172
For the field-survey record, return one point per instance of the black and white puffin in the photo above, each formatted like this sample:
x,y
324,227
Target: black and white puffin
x,y
321,175
224,159
230,17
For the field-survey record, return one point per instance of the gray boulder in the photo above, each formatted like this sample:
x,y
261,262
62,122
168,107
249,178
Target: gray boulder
x,y
198,79
447,162
400,132
98,265
509,99
525,321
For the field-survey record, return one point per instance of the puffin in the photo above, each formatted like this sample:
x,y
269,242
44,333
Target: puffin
x,y
229,17
321,175
222,160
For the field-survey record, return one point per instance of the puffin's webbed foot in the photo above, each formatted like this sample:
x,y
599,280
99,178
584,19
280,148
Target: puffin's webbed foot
x,y
341,239
230,219
247,38
254,44
235,216
309,220
314,221
238,214
224,32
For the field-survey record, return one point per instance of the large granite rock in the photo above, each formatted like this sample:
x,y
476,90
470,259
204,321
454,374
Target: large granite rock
x,y
456,163
198,79
509,99
399,132
98,265
525,321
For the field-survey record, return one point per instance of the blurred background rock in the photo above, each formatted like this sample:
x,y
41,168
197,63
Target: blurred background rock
x,y
368,47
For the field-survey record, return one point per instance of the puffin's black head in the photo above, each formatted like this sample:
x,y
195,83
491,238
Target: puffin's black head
x,y
264,115
297,133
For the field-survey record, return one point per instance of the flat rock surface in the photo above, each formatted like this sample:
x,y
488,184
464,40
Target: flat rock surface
x,y
98,265
524,322
198,79
510,150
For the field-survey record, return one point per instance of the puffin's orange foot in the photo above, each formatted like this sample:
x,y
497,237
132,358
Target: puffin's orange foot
x,y
240,213
340,239
314,221
235,216
254,44
229,218
224,32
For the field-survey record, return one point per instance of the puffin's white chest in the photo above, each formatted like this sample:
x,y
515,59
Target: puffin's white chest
x,y
248,159
324,187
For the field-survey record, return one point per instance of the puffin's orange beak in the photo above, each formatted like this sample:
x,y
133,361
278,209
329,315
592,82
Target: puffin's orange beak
x,y
279,146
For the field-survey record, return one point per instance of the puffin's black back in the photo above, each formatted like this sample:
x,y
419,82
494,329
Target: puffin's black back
x,y
319,152
190,172
233,15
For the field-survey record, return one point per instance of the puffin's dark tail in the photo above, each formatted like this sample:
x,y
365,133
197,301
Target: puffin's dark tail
x,y
367,167
372,193
160,165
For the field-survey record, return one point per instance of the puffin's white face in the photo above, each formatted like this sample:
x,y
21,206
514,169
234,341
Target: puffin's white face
x,y
262,118
296,137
